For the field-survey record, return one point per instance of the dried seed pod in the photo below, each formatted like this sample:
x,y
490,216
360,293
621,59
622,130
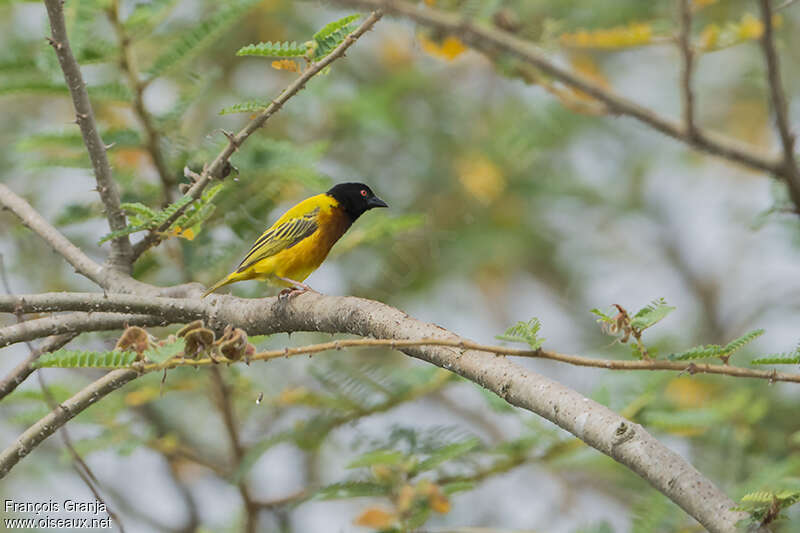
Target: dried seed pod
x,y
189,327
133,338
236,345
198,340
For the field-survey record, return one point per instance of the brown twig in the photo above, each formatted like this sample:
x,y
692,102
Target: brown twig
x,y
238,451
152,136
780,104
24,369
121,252
488,39
65,412
103,276
80,466
687,53
218,168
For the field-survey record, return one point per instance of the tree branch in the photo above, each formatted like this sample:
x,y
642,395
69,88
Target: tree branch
x,y
229,310
599,427
687,53
219,168
60,244
152,136
779,103
490,40
121,252
107,278
73,324
237,449
21,372
65,412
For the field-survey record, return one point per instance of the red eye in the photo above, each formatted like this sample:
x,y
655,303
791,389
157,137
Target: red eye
x,y
363,193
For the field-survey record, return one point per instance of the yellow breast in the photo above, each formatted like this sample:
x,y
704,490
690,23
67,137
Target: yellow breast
x,y
299,261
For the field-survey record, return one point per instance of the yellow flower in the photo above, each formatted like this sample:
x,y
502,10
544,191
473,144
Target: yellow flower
x,y
449,49
480,177
750,27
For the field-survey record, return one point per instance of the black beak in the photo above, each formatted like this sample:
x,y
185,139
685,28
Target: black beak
x,y
376,202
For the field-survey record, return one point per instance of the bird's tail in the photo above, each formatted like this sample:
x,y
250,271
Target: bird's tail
x,y
230,278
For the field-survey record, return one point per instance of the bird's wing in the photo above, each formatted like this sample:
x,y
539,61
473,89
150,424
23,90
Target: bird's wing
x,y
284,234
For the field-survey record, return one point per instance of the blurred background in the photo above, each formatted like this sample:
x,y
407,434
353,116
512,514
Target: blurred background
x,y
511,198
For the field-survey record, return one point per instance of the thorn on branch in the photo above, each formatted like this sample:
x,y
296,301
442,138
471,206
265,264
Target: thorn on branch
x,y
55,44
231,139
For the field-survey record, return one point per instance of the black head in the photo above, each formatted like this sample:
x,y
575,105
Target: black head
x,y
355,198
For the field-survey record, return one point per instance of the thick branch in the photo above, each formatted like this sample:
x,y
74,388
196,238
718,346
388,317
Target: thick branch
x,y
21,372
218,314
75,323
779,103
218,168
121,251
594,424
65,412
492,40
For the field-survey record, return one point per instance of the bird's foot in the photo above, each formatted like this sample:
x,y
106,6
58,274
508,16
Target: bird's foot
x,y
296,289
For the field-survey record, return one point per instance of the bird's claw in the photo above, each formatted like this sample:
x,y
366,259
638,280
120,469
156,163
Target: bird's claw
x,y
296,289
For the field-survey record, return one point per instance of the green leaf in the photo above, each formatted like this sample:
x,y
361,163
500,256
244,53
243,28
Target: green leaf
x,y
378,457
715,350
333,27
457,486
351,489
524,332
124,231
170,210
777,359
79,359
650,315
199,37
448,453
745,339
159,354
698,352
603,317
251,106
138,208
276,49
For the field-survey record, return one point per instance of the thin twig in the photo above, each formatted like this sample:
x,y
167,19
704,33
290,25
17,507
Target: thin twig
x,y
105,277
33,220
24,369
121,252
488,39
152,136
687,53
80,466
786,4
217,169
238,451
780,103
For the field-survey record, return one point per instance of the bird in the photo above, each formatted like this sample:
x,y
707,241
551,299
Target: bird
x,y
299,241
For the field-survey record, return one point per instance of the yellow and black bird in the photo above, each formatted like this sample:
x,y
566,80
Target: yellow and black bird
x,y
294,247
